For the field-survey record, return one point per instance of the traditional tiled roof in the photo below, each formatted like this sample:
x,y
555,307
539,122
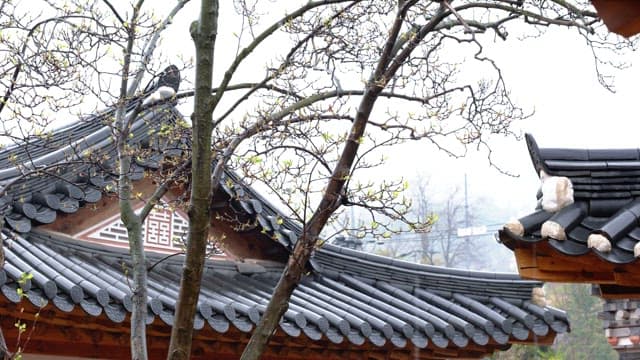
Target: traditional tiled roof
x,y
76,166
349,295
57,173
606,186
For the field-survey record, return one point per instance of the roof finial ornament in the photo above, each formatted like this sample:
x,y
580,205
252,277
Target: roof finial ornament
x,y
515,226
557,192
636,250
553,230
599,242
538,296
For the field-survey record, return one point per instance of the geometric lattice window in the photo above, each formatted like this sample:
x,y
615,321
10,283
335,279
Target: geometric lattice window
x,y
179,228
114,231
157,228
162,228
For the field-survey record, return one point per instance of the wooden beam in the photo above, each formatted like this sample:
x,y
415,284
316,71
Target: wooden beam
x,y
542,254
96,336
541,262
567,276
572,263
620,16
627,279
619,292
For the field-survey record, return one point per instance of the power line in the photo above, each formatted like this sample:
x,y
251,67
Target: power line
x,y
492,229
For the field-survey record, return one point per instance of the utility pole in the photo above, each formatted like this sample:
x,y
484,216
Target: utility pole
x,y
467,221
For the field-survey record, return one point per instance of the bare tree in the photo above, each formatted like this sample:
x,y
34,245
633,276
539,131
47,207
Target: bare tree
x,y
423,207
5,354
133,68
442,243
398,47
204,33
354,79
443,246
60,61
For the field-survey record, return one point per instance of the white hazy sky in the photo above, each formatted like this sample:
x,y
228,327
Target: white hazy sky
x,y
555,77
552,75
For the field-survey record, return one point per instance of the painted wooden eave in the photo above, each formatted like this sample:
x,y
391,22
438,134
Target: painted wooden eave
x,y
621,16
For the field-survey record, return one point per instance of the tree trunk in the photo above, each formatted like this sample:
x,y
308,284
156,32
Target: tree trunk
x,y
306,243
203,33
131,221
5,354
133,224
4,351
332,196
139,283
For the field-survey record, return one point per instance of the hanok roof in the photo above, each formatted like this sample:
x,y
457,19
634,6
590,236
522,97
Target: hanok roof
x,y
57,173
349,299
349,303
606,186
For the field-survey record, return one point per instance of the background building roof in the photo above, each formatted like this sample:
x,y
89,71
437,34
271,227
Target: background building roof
x,y
606,184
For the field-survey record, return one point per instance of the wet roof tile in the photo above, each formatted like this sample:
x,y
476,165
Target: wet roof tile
x,y
606,185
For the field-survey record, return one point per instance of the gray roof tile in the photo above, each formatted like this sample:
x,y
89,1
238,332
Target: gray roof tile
x,y
326,305
348,296
606,185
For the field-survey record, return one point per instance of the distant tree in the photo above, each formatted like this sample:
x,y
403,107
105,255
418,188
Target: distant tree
x,y
443,246
441,243
586,339
423,208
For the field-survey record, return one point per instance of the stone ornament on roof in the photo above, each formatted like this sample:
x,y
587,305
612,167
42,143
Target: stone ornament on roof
x,y
605,210
164,87
557,192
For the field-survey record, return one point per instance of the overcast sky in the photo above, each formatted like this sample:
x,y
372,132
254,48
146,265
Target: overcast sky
x,y
553,75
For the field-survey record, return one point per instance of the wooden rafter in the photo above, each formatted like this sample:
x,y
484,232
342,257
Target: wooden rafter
x,y
97,336
621,16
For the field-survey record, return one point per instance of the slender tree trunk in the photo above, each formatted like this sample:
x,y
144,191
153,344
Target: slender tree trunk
x,y
4,351
139,312
306,243
2,240
203,33
131,221
139,284
133,224
5,354
331,199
